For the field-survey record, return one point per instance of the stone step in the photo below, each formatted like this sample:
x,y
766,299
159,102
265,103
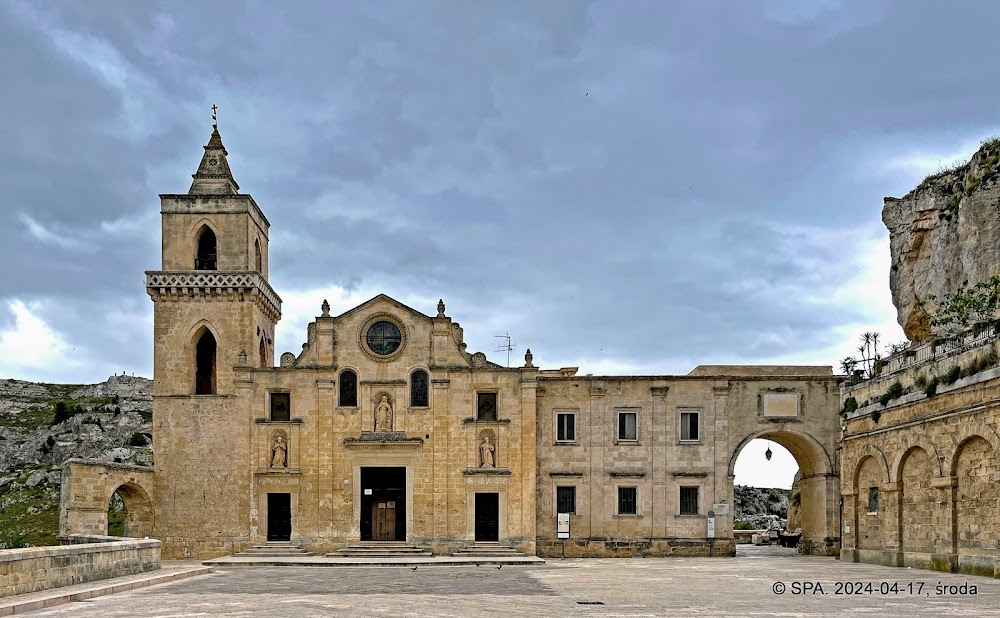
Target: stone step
x,y
380,549
274,549
487,550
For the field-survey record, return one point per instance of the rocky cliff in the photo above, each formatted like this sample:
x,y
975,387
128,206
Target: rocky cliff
x,y
944,235
110,421
760,508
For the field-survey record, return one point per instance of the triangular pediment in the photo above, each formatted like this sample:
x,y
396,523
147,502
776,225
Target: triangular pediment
x,y
382,299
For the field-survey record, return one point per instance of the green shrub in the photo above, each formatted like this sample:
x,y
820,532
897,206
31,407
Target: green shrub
x,y
876,414
742,525
895,390
931,389
920,382
953,375
990,359
61,413
138,439
884,399
850,405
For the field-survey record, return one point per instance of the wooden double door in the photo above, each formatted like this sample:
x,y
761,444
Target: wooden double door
x,y
383,503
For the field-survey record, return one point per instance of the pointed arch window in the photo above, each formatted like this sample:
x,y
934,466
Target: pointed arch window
x,y
263,353
418,389
206,256
348,389
204,372
257,260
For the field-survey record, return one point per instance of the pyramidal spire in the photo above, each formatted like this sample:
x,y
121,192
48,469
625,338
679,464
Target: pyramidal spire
x,y
213,175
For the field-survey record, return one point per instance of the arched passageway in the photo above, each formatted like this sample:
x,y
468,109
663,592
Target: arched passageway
x,y
817,500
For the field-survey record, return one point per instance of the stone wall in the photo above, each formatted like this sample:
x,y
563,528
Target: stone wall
x,y
732,409
40,568
934,463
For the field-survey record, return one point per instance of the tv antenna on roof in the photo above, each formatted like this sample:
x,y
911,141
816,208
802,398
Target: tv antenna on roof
x,y
506,344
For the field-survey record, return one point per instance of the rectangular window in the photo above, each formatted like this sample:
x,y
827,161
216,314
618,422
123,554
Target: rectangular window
x,y
486,406
873,499
566,500
628,426
628,500
566,427
689,501
689,426
281,406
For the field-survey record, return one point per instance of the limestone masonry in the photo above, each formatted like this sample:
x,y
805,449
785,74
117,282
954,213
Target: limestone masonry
x,y
384,428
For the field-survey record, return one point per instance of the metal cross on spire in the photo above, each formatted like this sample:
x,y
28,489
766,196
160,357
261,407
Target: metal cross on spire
x,y
215,116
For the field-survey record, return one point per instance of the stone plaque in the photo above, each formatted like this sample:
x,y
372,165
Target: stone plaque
x,y
780,405
721,509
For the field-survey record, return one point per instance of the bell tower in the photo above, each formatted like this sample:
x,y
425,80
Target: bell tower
x,y
213,306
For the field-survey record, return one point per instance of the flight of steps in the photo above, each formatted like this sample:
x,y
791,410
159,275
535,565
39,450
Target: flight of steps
x,y
380,549
488,550
274,549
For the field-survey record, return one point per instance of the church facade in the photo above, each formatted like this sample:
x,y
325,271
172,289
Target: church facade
x,y
386,428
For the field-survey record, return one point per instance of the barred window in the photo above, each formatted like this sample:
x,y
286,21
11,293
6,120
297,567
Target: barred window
x,y
689,500
566,427
418,388
566,500
873,499
281,406
348,389
628,500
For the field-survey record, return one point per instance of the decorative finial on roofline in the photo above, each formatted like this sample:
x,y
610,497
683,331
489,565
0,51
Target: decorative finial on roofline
x,y
215,116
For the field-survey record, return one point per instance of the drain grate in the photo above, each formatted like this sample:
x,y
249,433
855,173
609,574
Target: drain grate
x,y
590,602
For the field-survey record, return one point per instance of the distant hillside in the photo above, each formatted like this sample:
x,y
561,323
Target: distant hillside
x,y
760,508
43,425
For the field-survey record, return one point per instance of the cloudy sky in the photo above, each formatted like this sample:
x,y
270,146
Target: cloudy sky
x,y
627,187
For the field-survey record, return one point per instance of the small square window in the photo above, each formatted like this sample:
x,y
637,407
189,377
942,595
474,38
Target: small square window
x,y
689,501
566,427
689,426
486,406
873,499
628,426
281,406
628,500
566,500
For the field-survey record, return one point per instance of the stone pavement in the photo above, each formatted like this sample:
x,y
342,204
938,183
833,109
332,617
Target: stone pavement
x,y
675,587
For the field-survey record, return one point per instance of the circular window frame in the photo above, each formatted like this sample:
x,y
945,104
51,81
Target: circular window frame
x,y
363,337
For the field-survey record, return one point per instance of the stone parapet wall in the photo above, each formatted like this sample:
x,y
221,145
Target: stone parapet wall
x,y
40,568
635,548
921,366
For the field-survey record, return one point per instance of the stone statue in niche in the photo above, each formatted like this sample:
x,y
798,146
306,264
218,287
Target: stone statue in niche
x,y
279,453
383,415
486,450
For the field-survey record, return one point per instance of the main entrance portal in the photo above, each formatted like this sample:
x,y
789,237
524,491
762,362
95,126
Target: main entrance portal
x,y
383,504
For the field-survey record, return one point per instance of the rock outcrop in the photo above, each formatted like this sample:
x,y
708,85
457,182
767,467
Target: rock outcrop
x,y
110,421
944,235
761,508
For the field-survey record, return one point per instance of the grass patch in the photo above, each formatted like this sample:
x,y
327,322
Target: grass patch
x,y
19,527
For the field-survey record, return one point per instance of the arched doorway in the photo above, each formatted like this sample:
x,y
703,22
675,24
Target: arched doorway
x,y
817,488
130,512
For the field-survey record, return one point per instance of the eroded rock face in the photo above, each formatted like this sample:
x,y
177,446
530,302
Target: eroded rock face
x,y
944,235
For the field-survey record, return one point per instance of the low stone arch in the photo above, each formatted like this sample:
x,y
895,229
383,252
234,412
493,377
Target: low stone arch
x,y
869,450
912,442
975,430
87,487
138,509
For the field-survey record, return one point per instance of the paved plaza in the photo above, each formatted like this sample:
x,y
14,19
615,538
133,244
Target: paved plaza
x,y
744,586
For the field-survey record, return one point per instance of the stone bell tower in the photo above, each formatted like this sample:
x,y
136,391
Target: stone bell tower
x,y
213,306
213,310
